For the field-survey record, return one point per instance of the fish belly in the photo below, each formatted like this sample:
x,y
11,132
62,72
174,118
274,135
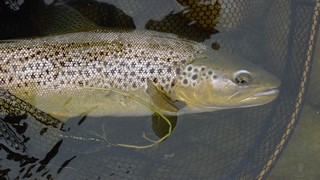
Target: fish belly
x,y
66,103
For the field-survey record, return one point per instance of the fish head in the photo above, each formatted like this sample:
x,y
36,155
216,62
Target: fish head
x,y
219,80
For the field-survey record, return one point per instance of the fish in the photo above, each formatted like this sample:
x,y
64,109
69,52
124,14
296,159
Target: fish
x,y
176,75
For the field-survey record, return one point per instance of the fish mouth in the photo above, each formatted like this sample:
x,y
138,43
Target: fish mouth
x,y
262,97
267,92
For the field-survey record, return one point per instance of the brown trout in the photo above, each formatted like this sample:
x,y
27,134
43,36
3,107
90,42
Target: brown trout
x,y
177,76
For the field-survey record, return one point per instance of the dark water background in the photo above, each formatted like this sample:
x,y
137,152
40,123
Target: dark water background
x,y
225,144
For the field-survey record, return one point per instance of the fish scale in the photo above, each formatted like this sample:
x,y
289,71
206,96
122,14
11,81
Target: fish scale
x,y
94,59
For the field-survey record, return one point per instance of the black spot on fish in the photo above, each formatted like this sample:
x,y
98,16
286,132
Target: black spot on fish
x,y
169,70
49,79
71,73
122,64
2,81
10,79
189,68
194,77
173,83
14,67
132,73
55,76
125,74
134,85
214,76
185,81
202,69
183,61
178,71
113,71
155,80
159,71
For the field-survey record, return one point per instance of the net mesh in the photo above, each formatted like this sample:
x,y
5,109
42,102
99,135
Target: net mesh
x,y
239,143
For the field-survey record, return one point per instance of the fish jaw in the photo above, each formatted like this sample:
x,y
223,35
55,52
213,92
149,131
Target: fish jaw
x,y
257,99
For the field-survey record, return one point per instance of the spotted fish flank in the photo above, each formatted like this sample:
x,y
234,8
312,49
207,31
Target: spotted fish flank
x,y
124,66
49,72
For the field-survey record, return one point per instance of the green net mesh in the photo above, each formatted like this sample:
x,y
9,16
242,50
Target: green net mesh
x,y
240,143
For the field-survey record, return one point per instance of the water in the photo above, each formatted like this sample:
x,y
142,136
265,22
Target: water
x,y
301,159
223,144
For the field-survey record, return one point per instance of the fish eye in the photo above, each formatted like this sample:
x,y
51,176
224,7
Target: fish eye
x,y
242,78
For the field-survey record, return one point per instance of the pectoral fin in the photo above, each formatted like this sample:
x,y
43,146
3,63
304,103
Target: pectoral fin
x,y
160,99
